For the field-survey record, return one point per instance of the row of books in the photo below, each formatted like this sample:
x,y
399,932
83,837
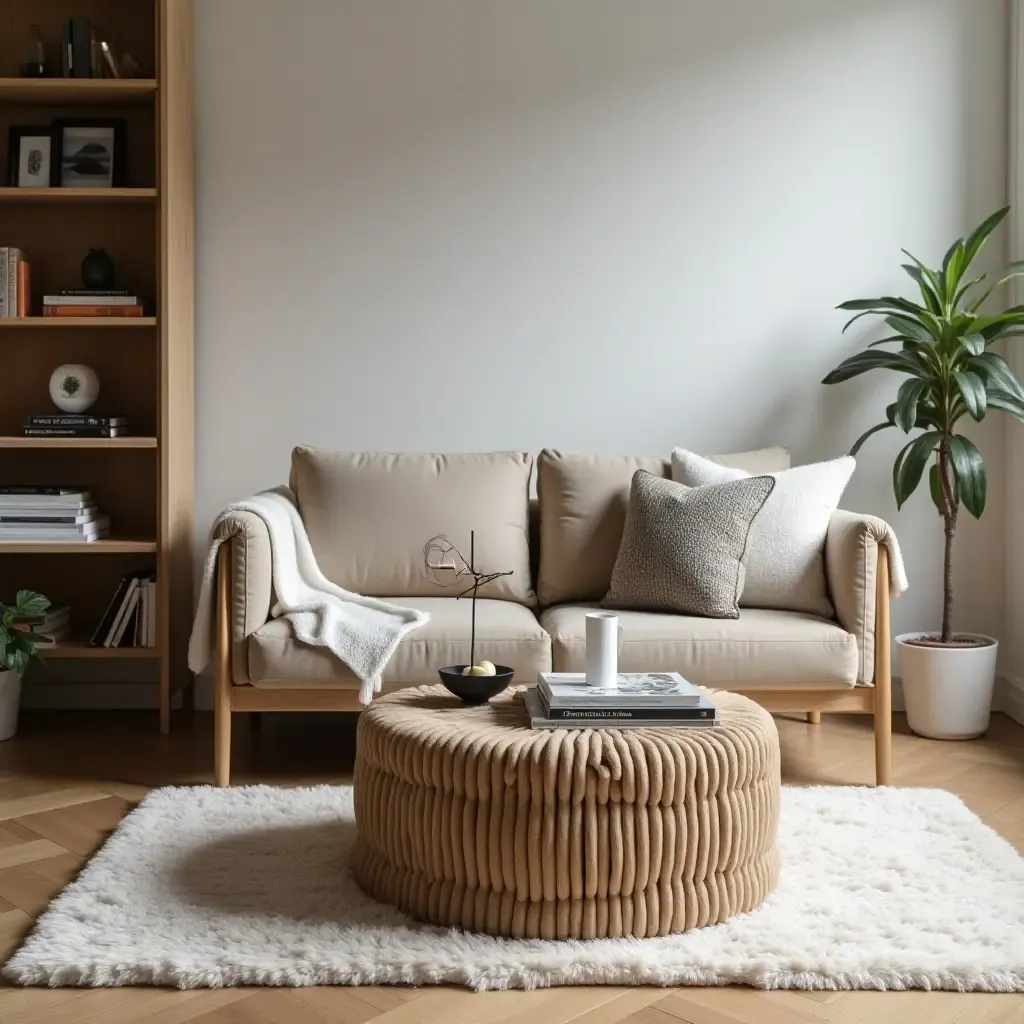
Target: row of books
x,y
75,425
31,513
130,618
563,700
92,302
15,283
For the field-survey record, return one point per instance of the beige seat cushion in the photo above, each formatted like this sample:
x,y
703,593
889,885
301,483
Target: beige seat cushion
x,y
583,501
369,514
506,633
761,649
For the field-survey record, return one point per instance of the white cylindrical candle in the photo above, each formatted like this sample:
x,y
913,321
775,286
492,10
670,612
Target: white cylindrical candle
x,y
602,649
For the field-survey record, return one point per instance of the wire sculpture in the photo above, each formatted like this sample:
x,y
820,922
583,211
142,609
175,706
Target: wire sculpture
x,y
447,567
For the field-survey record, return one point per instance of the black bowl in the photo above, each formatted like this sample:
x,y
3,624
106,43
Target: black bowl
x,y
475,689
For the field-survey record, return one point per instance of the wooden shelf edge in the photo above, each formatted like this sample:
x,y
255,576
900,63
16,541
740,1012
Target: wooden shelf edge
x,y
77,90
77,321
80,650
77,547
8,194
78,442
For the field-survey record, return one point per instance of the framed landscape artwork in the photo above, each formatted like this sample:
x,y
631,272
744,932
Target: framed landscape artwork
x,y
90,154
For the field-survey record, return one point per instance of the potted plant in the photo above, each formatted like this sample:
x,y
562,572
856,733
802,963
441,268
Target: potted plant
x,y
943,348
18,645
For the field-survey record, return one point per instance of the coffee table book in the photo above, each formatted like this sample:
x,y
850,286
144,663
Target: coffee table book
x,y
540,719
634,690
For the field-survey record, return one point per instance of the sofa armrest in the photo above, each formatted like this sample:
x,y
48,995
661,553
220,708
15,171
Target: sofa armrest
x,y
851,564
250,585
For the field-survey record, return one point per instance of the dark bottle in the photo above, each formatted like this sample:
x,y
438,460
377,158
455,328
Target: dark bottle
x,y
33,55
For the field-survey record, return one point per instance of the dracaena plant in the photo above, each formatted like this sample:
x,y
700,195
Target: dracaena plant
x,y
943,348
18,641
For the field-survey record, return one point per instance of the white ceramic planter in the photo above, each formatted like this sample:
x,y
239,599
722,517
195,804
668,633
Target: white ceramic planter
x,y
948,691
10,697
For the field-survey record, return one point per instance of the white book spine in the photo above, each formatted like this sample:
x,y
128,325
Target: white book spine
x,y
118,623
4,259
152,613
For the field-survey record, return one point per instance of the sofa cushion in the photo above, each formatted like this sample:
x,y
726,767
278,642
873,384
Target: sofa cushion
x,y
583,499
506,633
369,514
763,648
682,546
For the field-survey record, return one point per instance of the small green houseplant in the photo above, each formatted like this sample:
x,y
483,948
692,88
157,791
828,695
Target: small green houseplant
x,y
18,645
942,346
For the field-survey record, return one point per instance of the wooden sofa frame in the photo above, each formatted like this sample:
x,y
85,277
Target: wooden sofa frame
x,y
866,700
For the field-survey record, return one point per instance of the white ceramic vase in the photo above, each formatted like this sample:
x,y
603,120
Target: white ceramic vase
x,y
948,690
10,698
73,387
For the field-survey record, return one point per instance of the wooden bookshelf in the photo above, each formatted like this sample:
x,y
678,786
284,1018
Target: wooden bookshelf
x,y
145,364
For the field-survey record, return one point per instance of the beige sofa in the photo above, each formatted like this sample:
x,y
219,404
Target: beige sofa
x,y
368,516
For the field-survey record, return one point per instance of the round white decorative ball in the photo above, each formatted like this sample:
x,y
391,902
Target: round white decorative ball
x,y
74,388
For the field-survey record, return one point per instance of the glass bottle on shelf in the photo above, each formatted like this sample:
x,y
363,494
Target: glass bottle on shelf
x,y
33,54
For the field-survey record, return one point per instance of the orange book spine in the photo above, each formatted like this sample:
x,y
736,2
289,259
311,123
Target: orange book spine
x,y
92,311
24,289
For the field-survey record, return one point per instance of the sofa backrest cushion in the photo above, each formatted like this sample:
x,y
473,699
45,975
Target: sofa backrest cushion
x,y
583,501
369,514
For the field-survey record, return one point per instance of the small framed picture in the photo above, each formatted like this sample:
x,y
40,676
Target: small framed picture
x,y
30,157
89,154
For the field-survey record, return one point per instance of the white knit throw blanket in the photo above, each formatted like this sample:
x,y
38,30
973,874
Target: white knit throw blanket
x,y
362,631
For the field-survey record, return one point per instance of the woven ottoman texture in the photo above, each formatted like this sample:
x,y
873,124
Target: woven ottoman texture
x,y
467,818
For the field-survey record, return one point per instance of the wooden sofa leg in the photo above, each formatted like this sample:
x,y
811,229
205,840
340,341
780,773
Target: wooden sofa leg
x,y
814,717
222,677
883,675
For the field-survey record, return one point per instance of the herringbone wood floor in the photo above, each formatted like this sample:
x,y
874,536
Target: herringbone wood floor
x,y
67,780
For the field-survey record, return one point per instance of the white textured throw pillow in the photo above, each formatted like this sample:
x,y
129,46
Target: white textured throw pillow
x,y
784,563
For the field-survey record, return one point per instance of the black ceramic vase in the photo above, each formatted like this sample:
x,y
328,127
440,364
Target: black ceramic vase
x,y
98,270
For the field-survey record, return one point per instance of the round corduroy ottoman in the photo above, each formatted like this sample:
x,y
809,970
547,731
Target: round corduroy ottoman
x,y
467,818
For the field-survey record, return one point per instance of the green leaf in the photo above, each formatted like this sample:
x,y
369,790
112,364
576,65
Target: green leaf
x,y
931,299
862,362
907,398
935,489
910,463
858,444
28,602
973,390
969,469
1006,402
976,239
974,343
17,660
996,372
912,328
953,266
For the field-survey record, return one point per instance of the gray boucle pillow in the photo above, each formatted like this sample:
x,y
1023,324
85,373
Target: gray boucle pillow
x,y
682,547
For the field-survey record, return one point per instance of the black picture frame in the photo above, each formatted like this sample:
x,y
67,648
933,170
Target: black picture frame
x,y
111,133
15,136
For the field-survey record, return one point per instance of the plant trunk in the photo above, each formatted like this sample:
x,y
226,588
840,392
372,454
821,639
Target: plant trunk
x,y
949,522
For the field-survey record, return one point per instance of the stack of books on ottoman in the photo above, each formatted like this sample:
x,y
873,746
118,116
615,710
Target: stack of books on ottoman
x,y
642,700
28,513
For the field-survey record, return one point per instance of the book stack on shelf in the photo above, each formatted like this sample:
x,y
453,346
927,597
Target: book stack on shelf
x,y
130,618
30,513
15,283
51,626
642,700
75,425
79,302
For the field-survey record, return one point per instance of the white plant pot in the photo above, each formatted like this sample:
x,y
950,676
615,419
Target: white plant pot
x,y
948,690
10,697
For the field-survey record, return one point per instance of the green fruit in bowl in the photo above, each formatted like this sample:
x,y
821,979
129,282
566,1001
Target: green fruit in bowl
x,y
488,667
475,670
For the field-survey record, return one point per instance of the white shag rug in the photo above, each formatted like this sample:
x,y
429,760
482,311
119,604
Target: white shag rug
x,y
880,889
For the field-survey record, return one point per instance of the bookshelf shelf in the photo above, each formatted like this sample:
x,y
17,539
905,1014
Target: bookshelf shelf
x,y
78,442
74,91
85,322
80,650
77,547
76,195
